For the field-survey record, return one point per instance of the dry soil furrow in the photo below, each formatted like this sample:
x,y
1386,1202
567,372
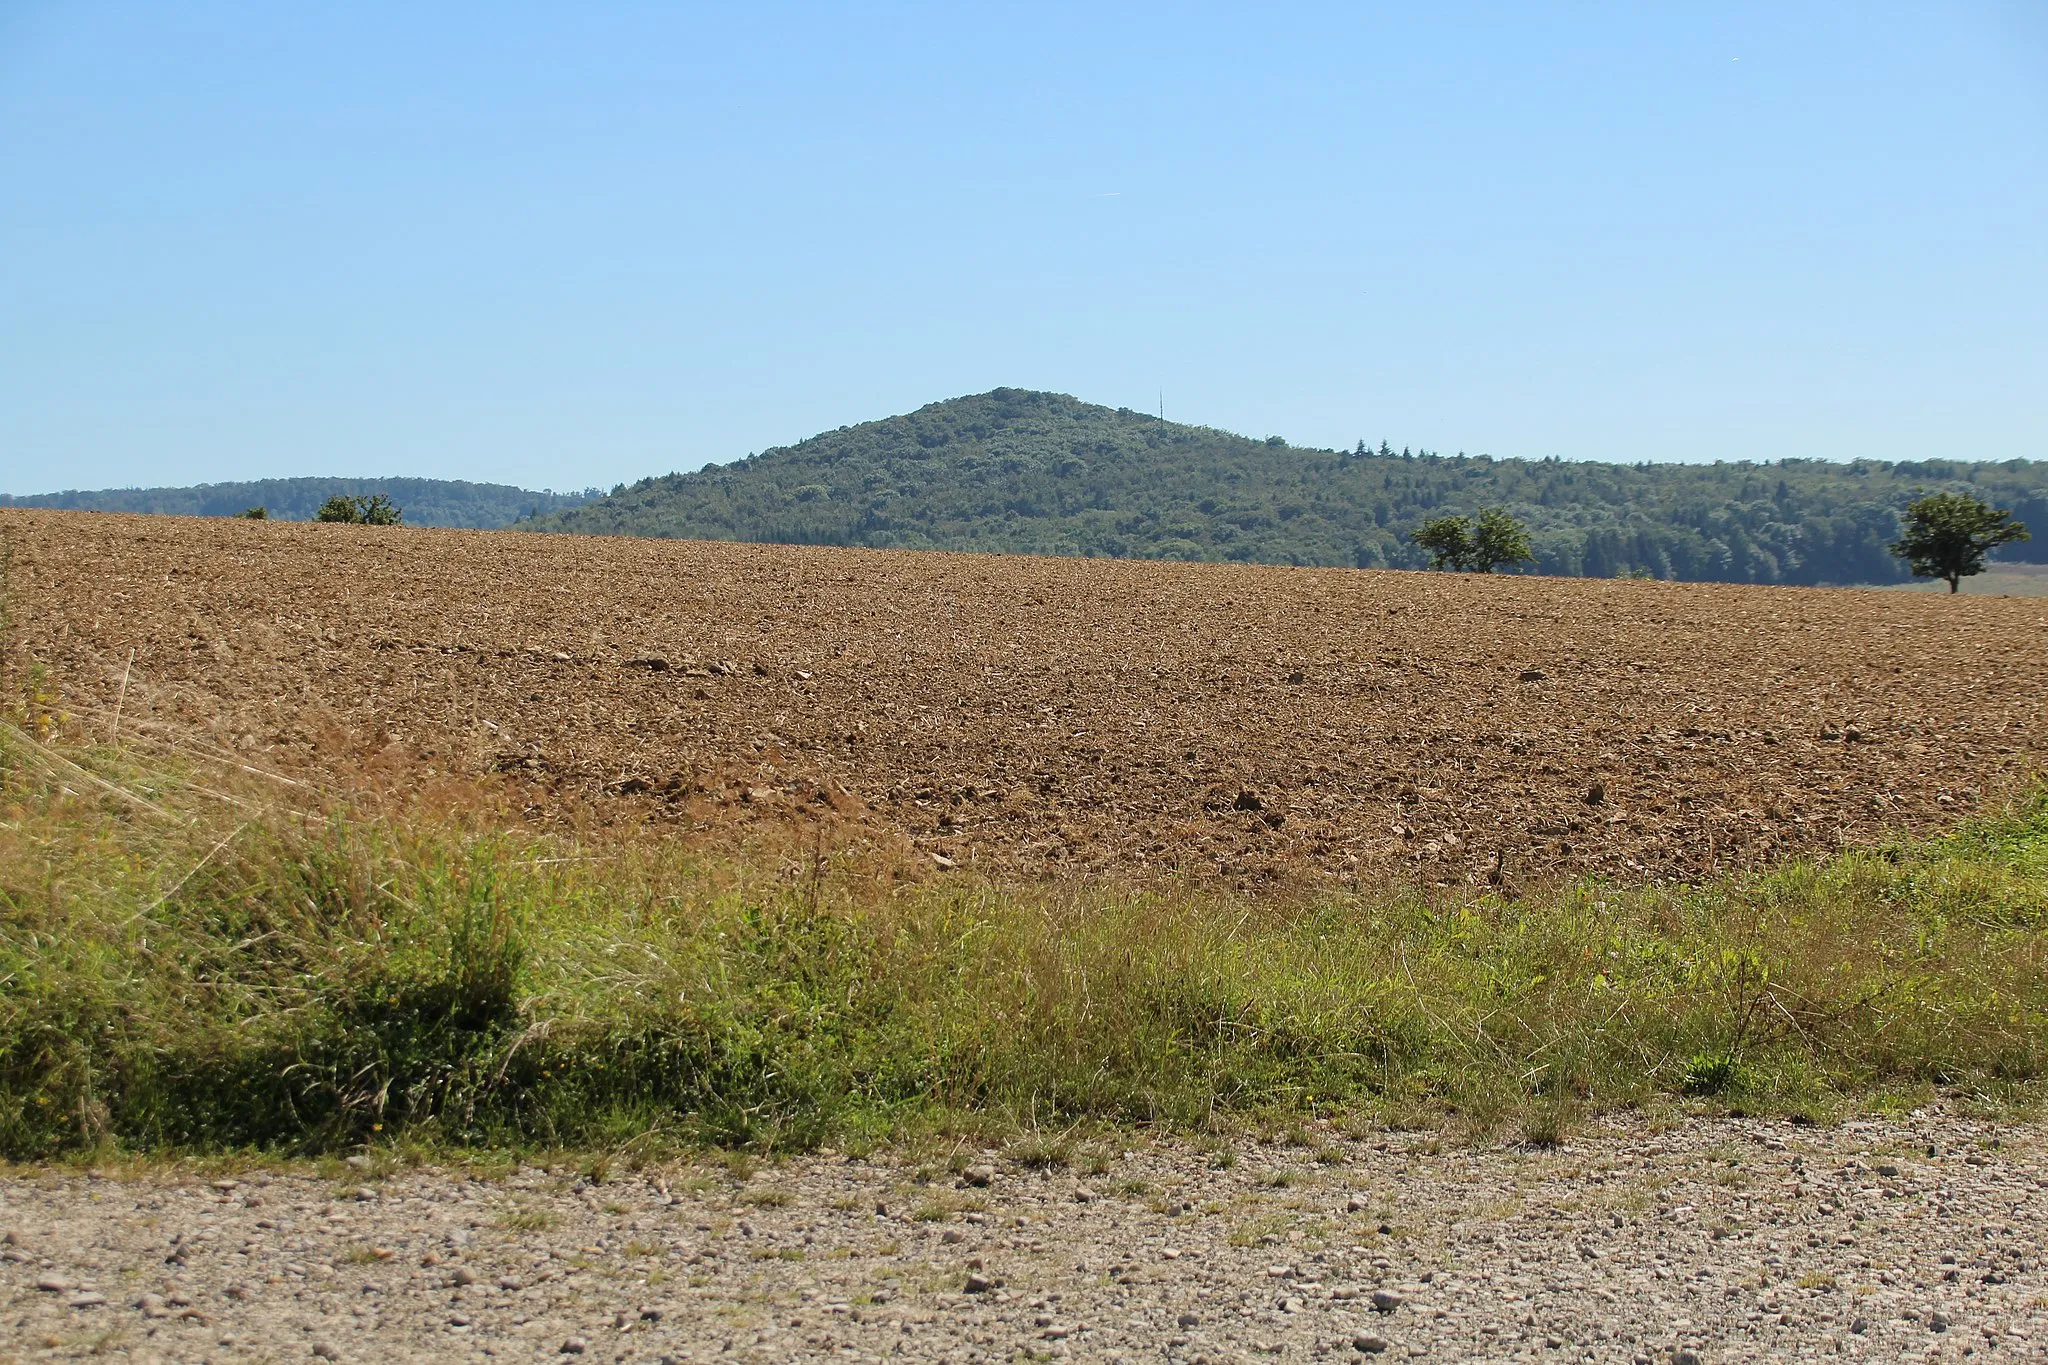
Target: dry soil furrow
x,y
1041,714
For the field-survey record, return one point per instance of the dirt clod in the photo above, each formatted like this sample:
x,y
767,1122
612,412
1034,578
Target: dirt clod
x,y
1101,702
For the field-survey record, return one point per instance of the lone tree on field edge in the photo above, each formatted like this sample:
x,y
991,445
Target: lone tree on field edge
x,y
375,510
1499,539
1455,543
1947,536
1448,540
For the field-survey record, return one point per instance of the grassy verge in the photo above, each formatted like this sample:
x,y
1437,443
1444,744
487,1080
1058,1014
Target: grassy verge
x,y
183,971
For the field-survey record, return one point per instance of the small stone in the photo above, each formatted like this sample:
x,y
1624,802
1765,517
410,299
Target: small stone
x,y
1682,1356
85,1298
511,1282
1533,675
325,1350
978,1284
1937,1321
979,1176
1860,1326
358,1162
1596,793
650,1315
1370,1344
463,1276
1354,1205
1887,1170
53,1284
574,1346
363,1194
1188,1320
1084,1195
1386,1300
952,1236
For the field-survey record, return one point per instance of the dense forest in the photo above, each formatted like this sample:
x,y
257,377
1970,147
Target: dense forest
x,y
425,502
1041,473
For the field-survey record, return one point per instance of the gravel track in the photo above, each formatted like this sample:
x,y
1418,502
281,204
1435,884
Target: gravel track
x,y
1027,716
1728,1239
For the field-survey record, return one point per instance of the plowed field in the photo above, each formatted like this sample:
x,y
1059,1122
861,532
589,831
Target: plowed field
x,y
1033,715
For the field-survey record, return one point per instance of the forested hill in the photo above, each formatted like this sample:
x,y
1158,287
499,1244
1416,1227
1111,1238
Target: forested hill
x,y
425,502
1043,473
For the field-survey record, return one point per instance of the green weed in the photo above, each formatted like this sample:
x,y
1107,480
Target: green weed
x,y
182,973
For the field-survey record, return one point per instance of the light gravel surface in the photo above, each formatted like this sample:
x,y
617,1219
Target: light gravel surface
x,y
1716,1239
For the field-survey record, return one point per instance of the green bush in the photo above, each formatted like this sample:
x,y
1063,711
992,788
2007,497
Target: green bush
x,y
374,510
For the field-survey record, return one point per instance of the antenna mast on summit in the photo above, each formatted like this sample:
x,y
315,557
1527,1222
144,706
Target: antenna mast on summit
x,y
1162,405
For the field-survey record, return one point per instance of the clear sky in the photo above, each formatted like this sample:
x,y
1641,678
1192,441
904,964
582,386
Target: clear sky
x,y
559,245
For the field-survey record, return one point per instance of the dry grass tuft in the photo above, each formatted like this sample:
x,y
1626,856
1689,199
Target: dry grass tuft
x,y
193,964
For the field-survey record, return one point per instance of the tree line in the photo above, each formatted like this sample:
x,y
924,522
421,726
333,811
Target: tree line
x,y
1949,536
1025,472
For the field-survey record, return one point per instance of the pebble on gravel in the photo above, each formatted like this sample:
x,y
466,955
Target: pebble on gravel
x,y
1759,1269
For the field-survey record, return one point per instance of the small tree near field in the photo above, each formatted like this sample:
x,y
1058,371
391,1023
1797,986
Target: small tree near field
x,y
1456,543
1947,535
1499,540
1448,540
255,514
375,510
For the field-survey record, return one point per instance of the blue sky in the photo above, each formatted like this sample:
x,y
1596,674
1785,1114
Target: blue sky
x,y
560,245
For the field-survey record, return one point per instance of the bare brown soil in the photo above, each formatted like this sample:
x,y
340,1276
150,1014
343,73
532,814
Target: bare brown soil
x,y
1031,715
